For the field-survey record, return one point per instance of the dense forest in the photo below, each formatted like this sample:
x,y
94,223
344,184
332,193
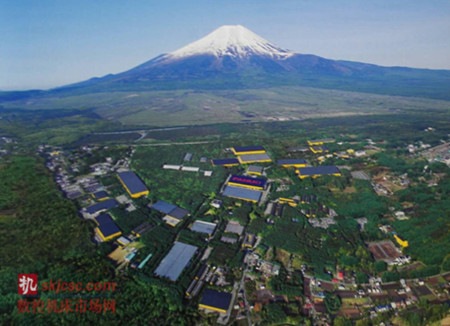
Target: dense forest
x,y
43,234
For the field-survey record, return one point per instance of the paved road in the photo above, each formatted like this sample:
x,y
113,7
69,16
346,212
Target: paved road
x,y
181,143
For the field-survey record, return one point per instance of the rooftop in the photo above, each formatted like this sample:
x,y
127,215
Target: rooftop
x,y
247,181
242,193
104,205
248,149
225,161
132,182
248,158
106,225
215,299
203,227
319,170
291,161
176,260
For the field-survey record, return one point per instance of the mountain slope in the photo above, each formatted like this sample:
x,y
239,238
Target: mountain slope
x,y
233,57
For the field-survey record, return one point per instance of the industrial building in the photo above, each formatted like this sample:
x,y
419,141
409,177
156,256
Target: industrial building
x,y
242,193
254,158
247,182
176,260
315,171
227,162
292,162
204,227
106,228
132,184
248,150
215,301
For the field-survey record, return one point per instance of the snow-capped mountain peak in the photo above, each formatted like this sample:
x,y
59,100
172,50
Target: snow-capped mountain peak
x,y
231,40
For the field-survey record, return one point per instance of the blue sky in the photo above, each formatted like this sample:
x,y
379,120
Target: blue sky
x,y
49,43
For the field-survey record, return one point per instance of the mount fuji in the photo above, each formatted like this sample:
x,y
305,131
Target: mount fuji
x,y
233,57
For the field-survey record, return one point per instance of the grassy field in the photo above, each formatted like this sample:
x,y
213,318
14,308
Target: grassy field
x,y
189,107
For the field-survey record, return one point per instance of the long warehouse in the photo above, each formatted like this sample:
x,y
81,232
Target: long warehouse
x,y
315,171
242,193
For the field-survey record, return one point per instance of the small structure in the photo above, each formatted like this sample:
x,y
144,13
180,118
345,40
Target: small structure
x,y
215,301
190,168
361,175
171,167
234,227
123,241
204,227
141,229
132,184
228,239
188,157
217,203
249,240
255,170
